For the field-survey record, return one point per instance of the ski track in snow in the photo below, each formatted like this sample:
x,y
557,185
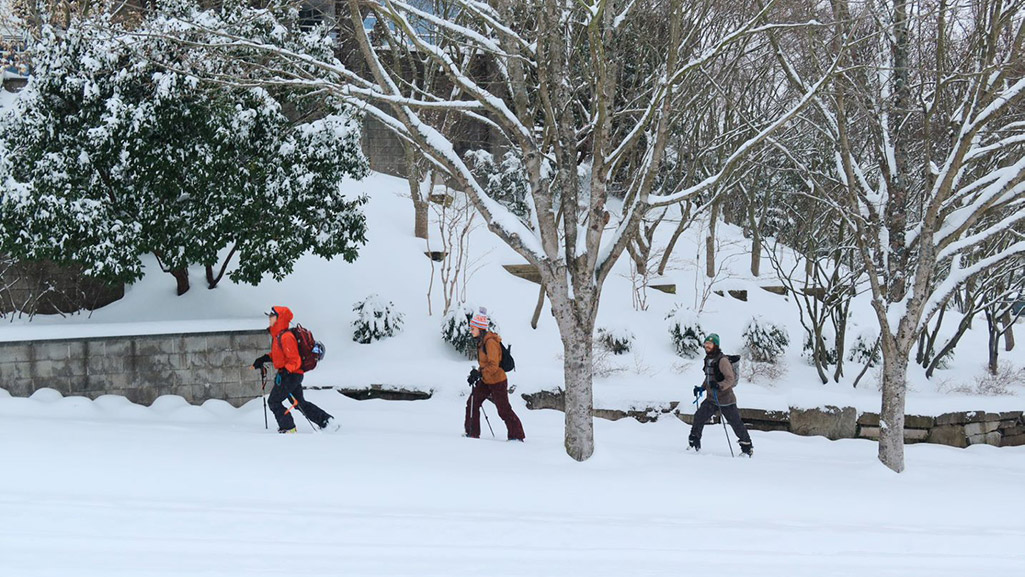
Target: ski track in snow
x,y
110,488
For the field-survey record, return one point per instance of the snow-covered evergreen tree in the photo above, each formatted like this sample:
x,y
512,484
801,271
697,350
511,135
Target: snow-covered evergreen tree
x,y
765,341
686,332
116,149
455,329
375,320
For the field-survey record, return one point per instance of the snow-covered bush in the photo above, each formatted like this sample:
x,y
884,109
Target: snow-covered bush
x,y
455,329
686,332
865,349
375,320
615,340
504,181
765,341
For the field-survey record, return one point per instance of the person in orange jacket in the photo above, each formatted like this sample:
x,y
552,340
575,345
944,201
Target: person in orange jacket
x,y
284,354
489,382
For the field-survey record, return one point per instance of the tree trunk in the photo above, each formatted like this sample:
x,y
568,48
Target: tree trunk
x,y
577,348
1008,321
419,190
538,307
993,346
891,422
421,221
756,252
181,277
710,241
672,245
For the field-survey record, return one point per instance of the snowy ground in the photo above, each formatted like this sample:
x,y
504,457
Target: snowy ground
x,y
108,488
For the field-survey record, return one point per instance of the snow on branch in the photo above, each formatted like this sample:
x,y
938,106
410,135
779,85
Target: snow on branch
x,y
741,151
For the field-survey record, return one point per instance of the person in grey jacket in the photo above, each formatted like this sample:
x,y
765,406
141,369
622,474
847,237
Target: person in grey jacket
x,y
719,384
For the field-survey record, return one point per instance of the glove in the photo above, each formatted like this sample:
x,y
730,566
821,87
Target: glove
x,y
473,378
258,363
714,386
697,390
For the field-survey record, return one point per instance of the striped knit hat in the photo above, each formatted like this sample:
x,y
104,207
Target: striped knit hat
x,y
480,320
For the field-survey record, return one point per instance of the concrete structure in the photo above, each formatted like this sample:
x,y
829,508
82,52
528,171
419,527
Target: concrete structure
x,y
197,366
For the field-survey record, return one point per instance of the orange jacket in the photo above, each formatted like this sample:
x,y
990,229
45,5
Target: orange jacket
x,y
284,349
489,354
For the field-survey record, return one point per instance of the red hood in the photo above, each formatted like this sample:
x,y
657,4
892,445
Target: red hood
x,y
284,318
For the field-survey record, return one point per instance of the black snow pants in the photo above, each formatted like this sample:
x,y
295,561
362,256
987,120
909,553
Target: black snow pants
x,y
729,412
288,388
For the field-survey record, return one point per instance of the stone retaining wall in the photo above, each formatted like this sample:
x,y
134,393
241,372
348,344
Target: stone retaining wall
x,y
196,366
961,429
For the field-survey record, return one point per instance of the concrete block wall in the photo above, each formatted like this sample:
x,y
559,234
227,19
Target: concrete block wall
x,y
197,366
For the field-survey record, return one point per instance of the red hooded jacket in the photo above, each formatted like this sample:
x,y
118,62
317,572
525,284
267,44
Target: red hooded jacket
x,y
284,349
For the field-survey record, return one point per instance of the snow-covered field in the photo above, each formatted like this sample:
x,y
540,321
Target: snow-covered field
x,y
109,488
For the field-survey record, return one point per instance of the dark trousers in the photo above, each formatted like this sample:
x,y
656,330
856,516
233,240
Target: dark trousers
x,y
729,412
498,393
288,386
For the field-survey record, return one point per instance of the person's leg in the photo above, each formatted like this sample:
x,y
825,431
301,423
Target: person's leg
x,y
477,396
732,415
701,416
278,395
315,413
500,396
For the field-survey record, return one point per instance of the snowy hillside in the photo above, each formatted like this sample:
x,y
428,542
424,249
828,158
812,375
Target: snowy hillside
x,y
393,265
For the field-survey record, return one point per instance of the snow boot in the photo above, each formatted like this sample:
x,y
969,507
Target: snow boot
x,y
284,431
695,443
747,448
331,425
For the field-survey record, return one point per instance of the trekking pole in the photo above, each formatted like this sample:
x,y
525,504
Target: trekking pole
x,y
486,419
722,417
263,394
295,404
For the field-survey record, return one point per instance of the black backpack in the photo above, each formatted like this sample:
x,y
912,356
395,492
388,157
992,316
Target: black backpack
x,y
507,363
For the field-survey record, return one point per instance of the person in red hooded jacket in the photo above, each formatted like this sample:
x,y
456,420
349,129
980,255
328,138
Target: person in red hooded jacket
x,y
288,387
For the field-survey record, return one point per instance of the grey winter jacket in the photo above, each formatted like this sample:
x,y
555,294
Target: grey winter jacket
x,y
725,393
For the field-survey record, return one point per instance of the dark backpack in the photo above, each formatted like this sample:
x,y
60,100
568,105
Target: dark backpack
x,y
507,363
734,362
311,351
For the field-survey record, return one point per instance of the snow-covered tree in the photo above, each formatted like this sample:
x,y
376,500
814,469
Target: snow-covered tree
x,y
580,92
108,155
927,133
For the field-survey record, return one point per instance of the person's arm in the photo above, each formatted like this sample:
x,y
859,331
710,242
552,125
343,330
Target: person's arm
x,y
729,378
489,368
290,347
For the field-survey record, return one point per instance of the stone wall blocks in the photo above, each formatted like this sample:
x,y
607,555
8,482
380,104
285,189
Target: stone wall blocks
x,y
830,422
952,435
973,429
918,422
218,343
1012,440
869,419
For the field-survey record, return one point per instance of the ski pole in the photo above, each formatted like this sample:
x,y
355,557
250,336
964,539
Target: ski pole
x,y
263,394
295,404
722,417
483,412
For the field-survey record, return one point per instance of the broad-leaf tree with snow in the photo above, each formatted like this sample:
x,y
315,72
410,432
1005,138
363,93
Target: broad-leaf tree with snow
x,y
109,156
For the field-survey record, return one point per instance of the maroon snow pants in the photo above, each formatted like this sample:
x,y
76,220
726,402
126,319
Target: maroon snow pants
x,y
498,393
